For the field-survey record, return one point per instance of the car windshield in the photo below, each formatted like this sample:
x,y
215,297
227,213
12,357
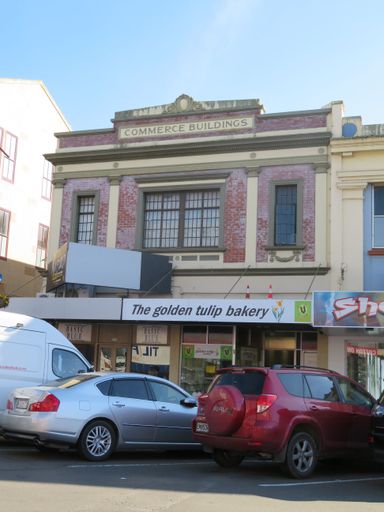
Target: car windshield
x,y
69,382
249,383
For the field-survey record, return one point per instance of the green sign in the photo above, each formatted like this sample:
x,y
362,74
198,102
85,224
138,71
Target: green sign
x,y
226,352
303,311
188,351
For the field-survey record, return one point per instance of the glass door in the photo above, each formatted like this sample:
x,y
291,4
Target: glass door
x,y
113,359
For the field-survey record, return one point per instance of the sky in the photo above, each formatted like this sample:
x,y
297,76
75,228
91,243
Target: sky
x,y
98,57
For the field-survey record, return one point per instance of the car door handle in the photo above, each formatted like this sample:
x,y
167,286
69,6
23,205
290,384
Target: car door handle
x,y
118,404
164,409
314,408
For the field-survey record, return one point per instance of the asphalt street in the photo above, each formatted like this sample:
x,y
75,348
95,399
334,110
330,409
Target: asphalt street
x,y
177,482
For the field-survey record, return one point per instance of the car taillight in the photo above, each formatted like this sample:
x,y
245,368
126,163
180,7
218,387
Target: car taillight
x,y
264,402
9,405
49,404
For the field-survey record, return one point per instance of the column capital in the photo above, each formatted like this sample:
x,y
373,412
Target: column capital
x,y
114,180
58,182
321,168
253,171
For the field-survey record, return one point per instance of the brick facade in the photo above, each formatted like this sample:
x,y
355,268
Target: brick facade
x,y
281,173
235,210
127,214
72,186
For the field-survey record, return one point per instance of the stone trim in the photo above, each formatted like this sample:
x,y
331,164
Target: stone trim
x,y
186,149
181,176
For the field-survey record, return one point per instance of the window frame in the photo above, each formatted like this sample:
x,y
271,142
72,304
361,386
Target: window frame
x,y
8,158
5,236
299,214
40,248
219,187
46,184
75,214
373,217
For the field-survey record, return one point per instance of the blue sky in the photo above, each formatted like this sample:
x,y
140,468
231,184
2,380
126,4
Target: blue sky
x,y
97,57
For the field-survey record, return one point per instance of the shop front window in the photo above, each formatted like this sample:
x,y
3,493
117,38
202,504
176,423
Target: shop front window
x,y
205,349
365,364
151,359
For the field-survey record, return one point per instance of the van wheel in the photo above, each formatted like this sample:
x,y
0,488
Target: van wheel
x,y
97,441
227,459
301,459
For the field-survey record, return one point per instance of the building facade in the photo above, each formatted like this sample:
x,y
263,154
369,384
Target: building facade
x,y
29,118
253,211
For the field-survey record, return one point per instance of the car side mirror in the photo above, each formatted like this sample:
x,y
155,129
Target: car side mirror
x,y
378,411
189,402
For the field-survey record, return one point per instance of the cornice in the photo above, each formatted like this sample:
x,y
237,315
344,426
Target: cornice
x,y
121,152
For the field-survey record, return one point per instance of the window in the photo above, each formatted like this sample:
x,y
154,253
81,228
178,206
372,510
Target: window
x,y
85,219
322,388
186,219
4,232
249,383
285,215
294,384
46,189
42,246
165,393
378,216
353,395
129,388
8,150
66,364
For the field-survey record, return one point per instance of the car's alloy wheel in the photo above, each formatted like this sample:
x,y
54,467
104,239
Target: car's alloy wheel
x,y
97,440
227,459
301,458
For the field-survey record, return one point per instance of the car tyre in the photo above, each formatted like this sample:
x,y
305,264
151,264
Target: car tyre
x,y
227,459
301,458
97,441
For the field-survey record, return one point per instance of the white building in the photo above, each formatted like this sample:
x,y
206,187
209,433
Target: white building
x,y
29,117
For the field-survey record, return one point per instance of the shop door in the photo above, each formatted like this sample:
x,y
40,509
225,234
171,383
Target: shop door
x,y
279,348
113,359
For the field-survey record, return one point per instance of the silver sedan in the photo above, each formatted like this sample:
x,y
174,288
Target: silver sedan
x,y
102,412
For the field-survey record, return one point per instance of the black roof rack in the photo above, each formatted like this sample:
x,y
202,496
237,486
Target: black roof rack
x,y
301,367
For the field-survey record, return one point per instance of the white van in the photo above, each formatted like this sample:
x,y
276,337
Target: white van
x,y
33,352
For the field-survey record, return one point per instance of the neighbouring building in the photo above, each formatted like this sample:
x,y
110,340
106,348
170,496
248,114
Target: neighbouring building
x,y
29,117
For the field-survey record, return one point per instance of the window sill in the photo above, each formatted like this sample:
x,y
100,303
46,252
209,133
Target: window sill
x,y
376,252
173,250
284,247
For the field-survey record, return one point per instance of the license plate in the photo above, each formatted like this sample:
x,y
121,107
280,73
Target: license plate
x,y
202,427
21,403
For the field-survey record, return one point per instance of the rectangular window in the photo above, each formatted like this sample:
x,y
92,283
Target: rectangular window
x,y
8,150
5,217
42,246
188,219
285,215
378,216
46,189
85,219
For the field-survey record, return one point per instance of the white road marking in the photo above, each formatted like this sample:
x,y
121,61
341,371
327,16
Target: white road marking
x,y
322,482
136,465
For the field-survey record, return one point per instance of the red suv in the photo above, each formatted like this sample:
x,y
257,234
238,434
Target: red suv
x,y
293,416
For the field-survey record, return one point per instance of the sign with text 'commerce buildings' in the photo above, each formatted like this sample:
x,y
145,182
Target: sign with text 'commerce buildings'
x,y
186,128
220,310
